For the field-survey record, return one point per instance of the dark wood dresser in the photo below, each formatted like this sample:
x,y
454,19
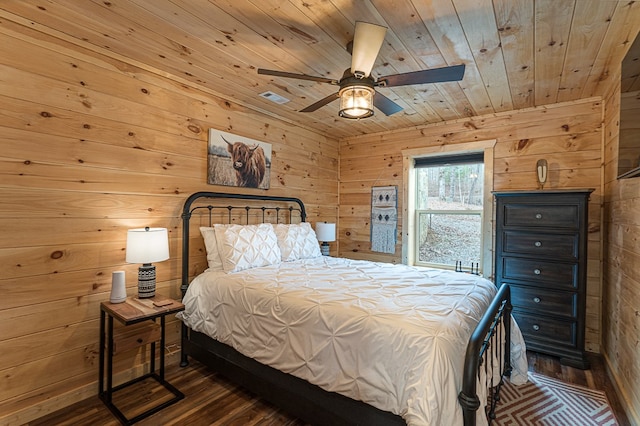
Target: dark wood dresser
x,y
541,252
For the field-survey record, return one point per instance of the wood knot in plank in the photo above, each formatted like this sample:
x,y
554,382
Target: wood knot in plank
x,y
522,144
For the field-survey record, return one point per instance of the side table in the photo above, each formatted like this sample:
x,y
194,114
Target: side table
x,y
133,311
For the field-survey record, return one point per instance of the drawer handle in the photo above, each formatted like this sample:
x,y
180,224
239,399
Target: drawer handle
x,y
537,244
536,327
536,299
537,271
538,215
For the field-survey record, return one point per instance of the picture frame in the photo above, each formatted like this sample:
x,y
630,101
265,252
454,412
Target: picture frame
x,y
234,160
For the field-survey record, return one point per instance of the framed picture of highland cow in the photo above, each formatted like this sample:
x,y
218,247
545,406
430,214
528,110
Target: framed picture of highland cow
x,y
234,160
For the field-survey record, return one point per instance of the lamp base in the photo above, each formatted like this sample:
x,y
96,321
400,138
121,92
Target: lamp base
x,y
324,249
146,281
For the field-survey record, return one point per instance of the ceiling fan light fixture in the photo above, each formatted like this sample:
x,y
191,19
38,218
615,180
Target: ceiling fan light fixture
x,y
356,102
357,85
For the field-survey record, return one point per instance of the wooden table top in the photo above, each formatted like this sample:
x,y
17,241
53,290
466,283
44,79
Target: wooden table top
x,y
135,310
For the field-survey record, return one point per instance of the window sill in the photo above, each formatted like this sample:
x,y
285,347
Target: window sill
x,y
630,174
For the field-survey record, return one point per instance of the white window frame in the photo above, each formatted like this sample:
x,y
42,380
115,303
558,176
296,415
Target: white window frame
x,y
409,196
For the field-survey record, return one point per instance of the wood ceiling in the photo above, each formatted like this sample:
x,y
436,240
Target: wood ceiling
x,y
518,53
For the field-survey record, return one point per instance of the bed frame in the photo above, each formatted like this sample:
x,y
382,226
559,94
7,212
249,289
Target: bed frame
x,y
299,398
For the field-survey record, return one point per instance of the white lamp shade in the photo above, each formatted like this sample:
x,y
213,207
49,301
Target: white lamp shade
x,y
147,245
326,232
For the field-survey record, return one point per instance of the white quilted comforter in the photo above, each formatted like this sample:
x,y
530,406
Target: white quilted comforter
x,y
390,335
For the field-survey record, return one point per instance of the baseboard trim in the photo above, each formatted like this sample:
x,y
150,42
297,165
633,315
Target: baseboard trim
x,y
623,397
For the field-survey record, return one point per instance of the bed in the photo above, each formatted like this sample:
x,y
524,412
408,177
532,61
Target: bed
x,y
337,341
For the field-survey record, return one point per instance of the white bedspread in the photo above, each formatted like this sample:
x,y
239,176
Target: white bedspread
x,y
390,335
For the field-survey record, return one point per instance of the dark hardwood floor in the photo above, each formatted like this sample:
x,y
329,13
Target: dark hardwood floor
x,y
211,400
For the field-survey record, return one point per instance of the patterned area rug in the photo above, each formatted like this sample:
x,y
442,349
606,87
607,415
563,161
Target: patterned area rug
x,y
548,402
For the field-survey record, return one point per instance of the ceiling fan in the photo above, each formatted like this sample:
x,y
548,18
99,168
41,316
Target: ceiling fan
x,y
357,94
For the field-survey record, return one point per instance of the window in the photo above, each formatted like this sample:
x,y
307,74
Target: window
x,y
415,159
449,206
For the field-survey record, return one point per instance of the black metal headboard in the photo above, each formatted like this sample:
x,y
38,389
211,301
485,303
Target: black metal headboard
x,y
188,210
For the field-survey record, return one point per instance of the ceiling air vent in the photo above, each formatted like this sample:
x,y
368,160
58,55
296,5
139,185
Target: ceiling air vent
x,y
274,98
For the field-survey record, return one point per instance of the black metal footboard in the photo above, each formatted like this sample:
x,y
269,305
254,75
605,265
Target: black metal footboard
x,y
490,344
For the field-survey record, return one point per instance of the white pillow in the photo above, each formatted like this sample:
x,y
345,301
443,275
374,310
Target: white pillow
x,y
297,241
211,244
247,246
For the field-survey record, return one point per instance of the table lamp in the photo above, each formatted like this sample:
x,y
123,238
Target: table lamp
x,y
326,233
147,245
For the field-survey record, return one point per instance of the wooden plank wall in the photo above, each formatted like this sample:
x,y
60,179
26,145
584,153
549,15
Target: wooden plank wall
x,y
569,135
92,146
621,269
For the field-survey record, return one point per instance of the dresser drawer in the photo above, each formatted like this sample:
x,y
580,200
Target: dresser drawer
x,y
558,303
539,328
554,246
541,215
561,275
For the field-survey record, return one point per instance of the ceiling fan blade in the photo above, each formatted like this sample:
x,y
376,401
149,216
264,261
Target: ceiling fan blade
x,y
367,42
298,76
321,103
385,104
437,75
